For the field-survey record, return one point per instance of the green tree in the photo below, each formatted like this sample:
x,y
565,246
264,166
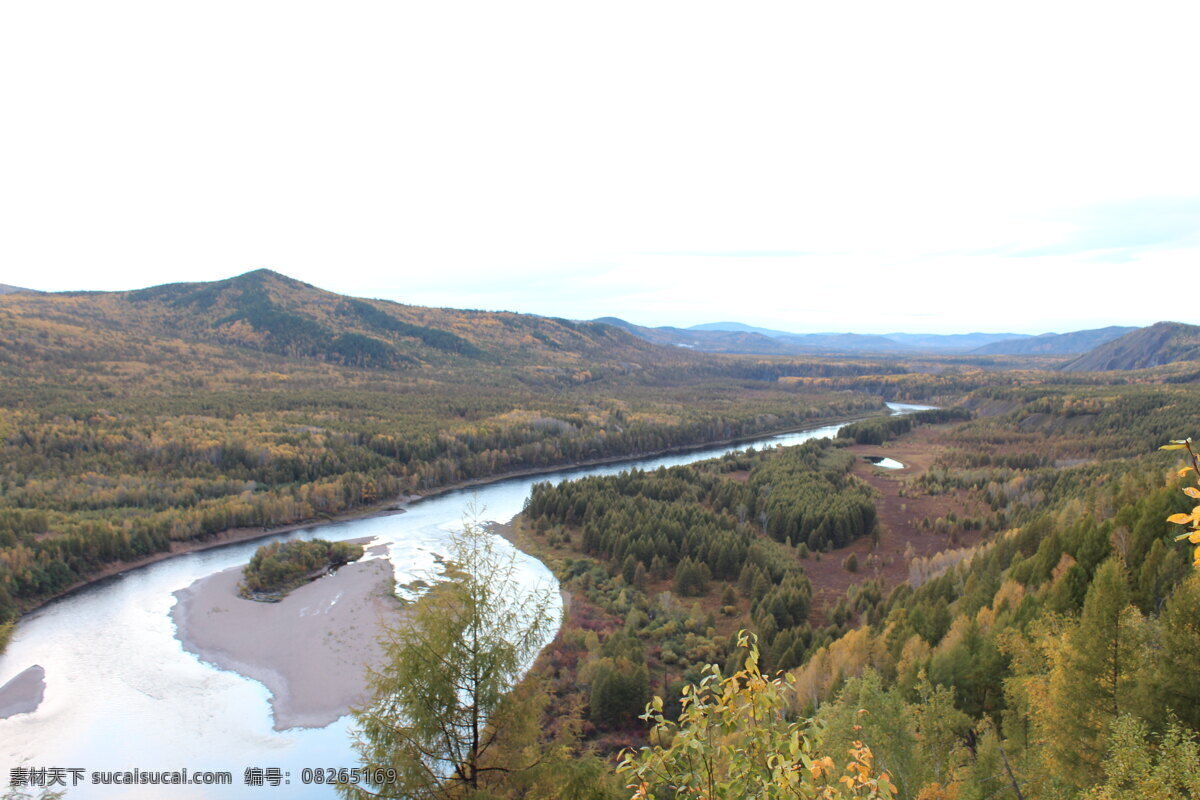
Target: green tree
x,y
1139,768
865,710
445,692
1178,662
1095,678
916,743
619,691
691,578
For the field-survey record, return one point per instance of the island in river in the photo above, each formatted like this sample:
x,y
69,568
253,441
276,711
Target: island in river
x,y
310,650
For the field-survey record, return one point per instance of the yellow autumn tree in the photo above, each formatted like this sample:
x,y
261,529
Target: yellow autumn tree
x,y
733,740
1191,520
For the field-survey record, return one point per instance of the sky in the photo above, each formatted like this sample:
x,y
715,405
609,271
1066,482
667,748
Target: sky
x,y
868,166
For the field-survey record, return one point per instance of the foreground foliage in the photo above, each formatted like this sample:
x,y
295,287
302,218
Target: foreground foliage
x,y
1191,520
733,740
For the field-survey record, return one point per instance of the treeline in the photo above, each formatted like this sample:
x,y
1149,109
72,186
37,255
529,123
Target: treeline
x,y
881,429
799,495
34,564
804,496
948,378
1079,422
1015,455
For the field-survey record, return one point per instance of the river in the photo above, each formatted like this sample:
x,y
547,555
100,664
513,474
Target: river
x,y
121,693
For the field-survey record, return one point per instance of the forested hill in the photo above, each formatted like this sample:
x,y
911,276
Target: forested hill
x,y
265,311
1161,343
6,289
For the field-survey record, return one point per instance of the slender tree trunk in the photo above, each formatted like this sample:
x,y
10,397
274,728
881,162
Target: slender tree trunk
x,y
1011,778
1116,664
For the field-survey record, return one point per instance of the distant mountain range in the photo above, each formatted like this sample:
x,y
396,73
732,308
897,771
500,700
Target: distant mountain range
x,y
954,341
879,343
269,312
1055,344
736,337
1161,343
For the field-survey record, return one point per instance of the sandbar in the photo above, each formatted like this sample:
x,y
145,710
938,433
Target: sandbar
x,y
310,650
23,694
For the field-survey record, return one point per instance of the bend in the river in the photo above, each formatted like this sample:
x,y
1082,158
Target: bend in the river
x,y
121,693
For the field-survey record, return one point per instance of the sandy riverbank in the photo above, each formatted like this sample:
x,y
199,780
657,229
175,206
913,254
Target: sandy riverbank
x,y
310,650
24,693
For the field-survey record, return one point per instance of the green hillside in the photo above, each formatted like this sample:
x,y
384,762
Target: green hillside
x,y
268,312
1159,344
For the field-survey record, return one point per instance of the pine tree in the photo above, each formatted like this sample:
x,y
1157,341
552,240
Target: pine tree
x,y
628,568
640,578
1094,678
1177,675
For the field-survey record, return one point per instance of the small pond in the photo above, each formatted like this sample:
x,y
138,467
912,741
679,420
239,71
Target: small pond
x,y
885,462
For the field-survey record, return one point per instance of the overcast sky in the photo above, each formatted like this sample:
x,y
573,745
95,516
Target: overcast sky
x,y
826,166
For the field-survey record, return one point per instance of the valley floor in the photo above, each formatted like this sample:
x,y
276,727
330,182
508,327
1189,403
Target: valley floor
x,y
901,514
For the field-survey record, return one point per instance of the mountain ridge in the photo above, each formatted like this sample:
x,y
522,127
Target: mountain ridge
x,y
266,311
1056,343
1153,346
737,337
